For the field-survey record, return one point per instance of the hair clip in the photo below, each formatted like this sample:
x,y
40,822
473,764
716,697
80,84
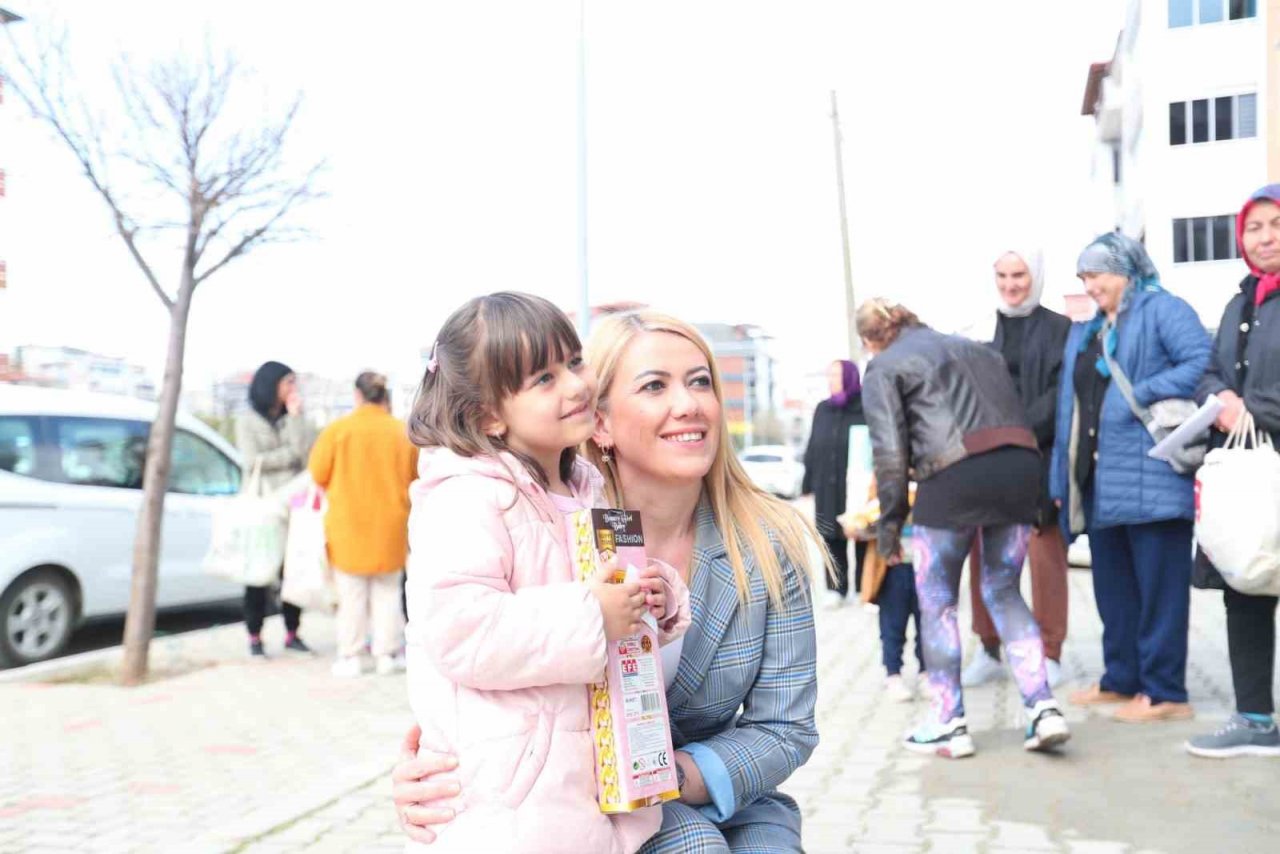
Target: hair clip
x,y
432,361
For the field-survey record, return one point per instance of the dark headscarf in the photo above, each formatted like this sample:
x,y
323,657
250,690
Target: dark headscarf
x,y
1267,282
850,384
264,391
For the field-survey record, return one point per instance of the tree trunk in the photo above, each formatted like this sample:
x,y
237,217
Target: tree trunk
x,y
140,622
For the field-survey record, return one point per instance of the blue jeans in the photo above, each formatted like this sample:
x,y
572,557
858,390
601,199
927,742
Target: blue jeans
x,y
1142,584
898,605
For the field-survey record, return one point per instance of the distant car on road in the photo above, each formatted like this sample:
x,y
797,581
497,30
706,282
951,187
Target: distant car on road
x,y
70,490
774,468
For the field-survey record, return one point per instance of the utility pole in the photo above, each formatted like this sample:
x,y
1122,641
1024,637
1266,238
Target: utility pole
x,y
850,307
584,299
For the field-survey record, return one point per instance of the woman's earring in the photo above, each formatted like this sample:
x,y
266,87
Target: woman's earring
x,y
606,455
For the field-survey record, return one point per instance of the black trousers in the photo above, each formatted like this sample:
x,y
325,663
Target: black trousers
x,y
839,548
1251,642
255,610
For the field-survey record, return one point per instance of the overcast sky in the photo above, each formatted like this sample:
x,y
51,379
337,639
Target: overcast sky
x,y
450,132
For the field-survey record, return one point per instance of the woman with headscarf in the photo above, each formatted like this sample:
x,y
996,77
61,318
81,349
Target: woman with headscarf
x,y
943,411
1136,510
826,463
1245,375
1031,339
274,435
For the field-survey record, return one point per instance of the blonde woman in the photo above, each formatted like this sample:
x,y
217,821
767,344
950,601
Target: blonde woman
x,y
662,442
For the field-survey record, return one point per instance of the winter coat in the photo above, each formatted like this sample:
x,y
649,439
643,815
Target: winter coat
x,y
826,462
1043,341
1163,349
282,447
366,462
1259,362
932,400
502,643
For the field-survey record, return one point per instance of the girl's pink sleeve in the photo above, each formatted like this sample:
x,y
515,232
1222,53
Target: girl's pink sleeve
x,y
675,622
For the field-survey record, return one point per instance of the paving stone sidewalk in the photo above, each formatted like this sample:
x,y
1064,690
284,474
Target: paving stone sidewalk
x,y
282,757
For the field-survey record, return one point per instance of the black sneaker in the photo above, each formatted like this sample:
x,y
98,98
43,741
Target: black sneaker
x,y
295,644
256,650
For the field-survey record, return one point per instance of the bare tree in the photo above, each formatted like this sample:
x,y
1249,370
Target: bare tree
x,y
177,177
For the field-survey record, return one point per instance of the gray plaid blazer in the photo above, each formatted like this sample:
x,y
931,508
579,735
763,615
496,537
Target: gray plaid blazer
x,y
746,686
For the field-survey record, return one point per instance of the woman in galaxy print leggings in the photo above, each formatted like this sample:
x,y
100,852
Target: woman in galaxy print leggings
x,y
943,411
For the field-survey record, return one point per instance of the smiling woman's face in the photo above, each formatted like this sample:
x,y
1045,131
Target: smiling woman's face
x,y
662,416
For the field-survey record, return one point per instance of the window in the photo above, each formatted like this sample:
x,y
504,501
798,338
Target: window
x,y
100,451
1200,120
1204,238
1178,123
1186,13
17,445
201,469
762,458
1214,119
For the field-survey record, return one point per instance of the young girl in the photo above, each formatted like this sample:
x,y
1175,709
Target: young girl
x,y
502,640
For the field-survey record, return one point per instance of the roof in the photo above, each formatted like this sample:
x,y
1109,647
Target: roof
x,y
7,17
1093,87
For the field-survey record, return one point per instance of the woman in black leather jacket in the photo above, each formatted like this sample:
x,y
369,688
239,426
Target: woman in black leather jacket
x,y
943,411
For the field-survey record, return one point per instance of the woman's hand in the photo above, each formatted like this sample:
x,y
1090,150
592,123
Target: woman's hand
x,y
694,791
1232,409
655,592
423,789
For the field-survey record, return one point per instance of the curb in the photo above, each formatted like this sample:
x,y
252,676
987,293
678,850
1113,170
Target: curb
x,y
202,644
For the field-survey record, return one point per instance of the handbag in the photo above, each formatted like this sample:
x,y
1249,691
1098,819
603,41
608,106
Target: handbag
x,y
1238,510
308,578
247,546
1162,418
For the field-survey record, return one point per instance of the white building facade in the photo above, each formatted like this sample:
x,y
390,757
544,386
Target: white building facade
x,y
1186,130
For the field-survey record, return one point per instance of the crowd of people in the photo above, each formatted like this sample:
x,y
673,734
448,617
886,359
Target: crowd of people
x,y
990,452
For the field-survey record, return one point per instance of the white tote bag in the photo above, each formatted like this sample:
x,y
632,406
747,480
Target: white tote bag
x,y
1238,510
308,579
247,546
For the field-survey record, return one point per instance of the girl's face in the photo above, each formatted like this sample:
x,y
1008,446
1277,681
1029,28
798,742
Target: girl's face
x,y
1106,289
1013,280
662,418
553,410
1261,236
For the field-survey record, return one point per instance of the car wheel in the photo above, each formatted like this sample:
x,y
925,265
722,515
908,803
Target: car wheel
x,y
36,618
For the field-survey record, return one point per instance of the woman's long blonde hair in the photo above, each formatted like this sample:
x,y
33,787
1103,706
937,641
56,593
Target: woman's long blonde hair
x,y
750,520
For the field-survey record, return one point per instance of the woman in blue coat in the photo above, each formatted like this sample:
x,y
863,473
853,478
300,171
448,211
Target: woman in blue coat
x,y
1137,511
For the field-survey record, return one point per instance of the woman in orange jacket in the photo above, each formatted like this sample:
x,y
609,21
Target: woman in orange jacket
x,y
365,462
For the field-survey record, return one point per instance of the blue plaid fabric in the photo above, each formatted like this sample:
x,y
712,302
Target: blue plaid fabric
x,y
745,689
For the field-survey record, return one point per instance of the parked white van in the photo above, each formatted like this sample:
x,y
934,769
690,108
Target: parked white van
x,y
70,490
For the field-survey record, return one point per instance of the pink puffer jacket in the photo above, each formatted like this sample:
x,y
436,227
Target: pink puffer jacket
x,y
502,642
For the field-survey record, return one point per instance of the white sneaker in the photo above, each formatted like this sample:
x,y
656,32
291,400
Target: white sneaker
x,y
832,600
390,664
950,740
1046,727
898,690
348,668
1054,669
924,687
983,668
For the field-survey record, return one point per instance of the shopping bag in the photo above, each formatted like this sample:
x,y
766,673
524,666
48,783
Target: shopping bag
x,y
1238,510
247,546
308,578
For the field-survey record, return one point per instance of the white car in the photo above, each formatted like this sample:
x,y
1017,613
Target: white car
x,y
774,468
70,490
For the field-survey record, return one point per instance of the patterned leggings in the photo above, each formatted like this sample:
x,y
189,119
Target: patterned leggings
x,y
939,558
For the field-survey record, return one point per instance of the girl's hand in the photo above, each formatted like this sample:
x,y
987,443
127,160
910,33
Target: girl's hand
x,y
423,789
655,592
1232,409
622,605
